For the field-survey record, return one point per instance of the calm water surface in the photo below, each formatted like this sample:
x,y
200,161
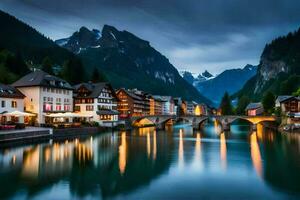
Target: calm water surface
x,y
146,164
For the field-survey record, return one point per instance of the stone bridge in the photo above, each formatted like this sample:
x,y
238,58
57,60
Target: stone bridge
x,y
161,120
158,120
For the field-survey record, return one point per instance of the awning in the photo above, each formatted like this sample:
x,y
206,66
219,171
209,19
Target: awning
x,y
67,114
18,114
107,112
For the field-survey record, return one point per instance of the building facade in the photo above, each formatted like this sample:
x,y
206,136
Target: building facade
x,y
133,103
254,109
167,104
98,100
11,100
288,104
45,94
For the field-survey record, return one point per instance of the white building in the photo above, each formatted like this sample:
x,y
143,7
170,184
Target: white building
x,y
168,107
45,94
98,100
11,100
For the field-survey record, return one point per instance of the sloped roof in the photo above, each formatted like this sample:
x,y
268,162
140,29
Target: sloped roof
x,y
253,106
94,88
7,91
162,98
283,98
131,94
41,78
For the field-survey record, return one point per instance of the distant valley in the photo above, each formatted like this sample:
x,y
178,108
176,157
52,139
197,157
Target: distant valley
x,y
214,87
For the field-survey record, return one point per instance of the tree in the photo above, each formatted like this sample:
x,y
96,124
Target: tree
x,y
73,71
242,104
225,106
95,75
16,64
47,65
268,102
297,93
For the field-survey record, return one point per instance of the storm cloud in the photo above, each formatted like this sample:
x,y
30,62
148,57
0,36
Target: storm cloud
x,y
194,34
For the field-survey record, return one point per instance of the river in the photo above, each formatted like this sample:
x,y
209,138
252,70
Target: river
x,y
177,163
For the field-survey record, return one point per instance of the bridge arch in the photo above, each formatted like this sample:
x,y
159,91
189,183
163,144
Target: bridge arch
x,y
158,121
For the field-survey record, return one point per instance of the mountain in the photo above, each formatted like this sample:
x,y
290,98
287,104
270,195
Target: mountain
x,y
19,37
22,47
129,61
188,76
231,80
279,69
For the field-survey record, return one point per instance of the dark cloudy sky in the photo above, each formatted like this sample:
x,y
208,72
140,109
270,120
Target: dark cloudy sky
x,y
194,34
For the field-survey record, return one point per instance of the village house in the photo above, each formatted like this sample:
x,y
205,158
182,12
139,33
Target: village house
x,y
288,104
254,109
132,103
98,100
11,101
181,106
156,105
168,107
190,107
201,109
45,94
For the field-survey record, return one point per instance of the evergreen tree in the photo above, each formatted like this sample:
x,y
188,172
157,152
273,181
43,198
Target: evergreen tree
x,y
95,76
225,106
268,102
47,65
17,65
242,104
73,71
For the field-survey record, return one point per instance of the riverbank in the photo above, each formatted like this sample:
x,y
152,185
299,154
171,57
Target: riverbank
x,y
32,133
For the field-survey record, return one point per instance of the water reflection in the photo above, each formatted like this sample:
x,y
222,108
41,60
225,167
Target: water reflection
x,y
198,163
223,151
255,154
154,145
144,163
122,153
180,150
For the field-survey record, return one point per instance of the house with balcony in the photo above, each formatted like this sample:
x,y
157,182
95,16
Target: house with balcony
x,y
98,100
45,94
288,104
133,103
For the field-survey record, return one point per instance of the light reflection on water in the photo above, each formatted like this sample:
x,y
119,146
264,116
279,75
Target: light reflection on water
x,y
145,164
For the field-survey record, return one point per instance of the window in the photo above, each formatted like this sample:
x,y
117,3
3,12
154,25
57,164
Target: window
x,y
47,107
2,104
13,104
58,107
77,108
68,108
89,108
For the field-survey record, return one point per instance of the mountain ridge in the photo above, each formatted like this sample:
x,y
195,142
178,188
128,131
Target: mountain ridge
x,y
278,70
120,52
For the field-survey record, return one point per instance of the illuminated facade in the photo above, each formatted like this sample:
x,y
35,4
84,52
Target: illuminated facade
x,y
133,103
98,100
254,109
11,100
45,94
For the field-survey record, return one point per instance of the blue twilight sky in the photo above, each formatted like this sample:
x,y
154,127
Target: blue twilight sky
x,y
194,34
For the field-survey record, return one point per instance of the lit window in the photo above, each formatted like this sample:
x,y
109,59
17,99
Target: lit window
x,y
13,104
